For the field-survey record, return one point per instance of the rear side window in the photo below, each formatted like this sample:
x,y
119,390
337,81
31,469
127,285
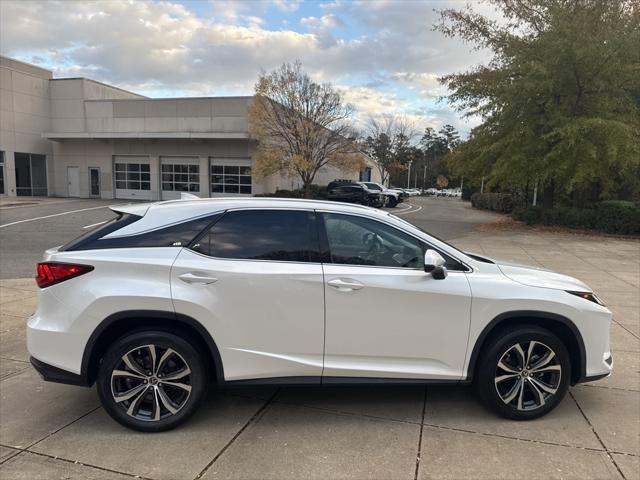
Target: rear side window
x,y
279,235
177,235
81,242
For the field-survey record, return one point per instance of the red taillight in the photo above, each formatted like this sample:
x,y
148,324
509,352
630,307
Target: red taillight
x,y
50,273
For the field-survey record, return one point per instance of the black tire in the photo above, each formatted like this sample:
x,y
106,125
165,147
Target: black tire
x,y
392,202
496,385
174,357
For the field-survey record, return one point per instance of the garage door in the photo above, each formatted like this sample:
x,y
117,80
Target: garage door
x,y
230,176
179,174
132,177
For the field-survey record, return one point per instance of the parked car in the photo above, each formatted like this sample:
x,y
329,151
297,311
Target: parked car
x,y
392,197
403,193
155,304
351,192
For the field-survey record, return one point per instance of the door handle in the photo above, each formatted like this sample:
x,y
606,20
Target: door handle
x,y
345,284
194,278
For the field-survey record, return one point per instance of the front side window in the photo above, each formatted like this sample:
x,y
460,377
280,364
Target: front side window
x,y
133,176
279,235
230,179
356,240
373,186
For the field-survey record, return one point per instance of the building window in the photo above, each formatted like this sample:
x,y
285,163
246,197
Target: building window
x,y
365,175
133,176
178,177
230,179
31,174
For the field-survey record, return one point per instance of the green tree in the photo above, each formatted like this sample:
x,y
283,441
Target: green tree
x,y
436,148
560,98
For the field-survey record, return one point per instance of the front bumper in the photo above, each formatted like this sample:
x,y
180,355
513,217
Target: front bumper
x,y
375,200
607,361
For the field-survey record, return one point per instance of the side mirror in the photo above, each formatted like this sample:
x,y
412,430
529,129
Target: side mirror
x,y
434,264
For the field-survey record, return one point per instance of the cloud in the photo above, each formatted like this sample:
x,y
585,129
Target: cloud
x,y
383,54
321,27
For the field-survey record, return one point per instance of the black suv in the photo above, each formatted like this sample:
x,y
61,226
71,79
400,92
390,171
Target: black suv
x,y
351,192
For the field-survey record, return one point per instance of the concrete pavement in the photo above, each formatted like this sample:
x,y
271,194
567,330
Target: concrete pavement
x,y
56,431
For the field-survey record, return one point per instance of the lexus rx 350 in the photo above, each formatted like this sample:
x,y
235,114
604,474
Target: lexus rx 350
x,y
170,297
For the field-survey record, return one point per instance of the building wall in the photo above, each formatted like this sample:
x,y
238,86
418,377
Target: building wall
x,y
25,112
85,154
101,153
77,122
171,116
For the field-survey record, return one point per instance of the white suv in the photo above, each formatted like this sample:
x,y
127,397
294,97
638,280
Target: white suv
x,y
169,296
392,197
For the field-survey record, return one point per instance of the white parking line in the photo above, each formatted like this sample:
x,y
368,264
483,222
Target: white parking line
x,y
51,216
94,224
406,206
412,208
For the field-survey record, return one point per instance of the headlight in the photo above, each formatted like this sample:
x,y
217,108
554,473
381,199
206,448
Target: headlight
x,y
588,296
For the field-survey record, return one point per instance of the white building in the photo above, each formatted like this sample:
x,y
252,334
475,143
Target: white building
x,y
75,137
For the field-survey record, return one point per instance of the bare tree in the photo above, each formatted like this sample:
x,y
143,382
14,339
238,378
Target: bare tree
x,y
387,142
301,126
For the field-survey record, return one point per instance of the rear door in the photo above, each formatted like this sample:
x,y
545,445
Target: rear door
x,y
255,282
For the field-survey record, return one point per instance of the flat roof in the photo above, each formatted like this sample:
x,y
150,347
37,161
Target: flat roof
x,y
142,97
145,135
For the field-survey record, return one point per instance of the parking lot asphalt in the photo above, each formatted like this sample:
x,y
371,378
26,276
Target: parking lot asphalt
x,y
56,431
27,231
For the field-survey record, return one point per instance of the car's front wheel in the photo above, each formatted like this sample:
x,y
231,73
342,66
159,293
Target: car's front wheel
x,y
524,373
391,202
151,381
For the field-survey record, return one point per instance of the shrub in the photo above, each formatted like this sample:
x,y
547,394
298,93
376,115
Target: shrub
x,y
317,192
529,215
611,216
618,216
498,202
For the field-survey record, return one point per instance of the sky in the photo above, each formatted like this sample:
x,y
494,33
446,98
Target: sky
x,y
382,55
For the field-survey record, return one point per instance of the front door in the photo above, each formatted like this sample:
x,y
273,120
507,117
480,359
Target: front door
x,y
386,317
94,181
254,282
73,181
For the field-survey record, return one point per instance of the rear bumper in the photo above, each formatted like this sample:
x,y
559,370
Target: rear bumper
x,y
54,374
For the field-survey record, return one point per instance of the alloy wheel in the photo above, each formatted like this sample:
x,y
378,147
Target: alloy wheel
x,y
151,382
527,375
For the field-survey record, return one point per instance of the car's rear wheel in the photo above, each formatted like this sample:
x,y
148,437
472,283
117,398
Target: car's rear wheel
x,y
151,381
524,373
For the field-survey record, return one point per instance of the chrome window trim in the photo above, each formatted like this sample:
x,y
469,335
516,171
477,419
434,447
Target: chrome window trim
x,y
370,217
236,209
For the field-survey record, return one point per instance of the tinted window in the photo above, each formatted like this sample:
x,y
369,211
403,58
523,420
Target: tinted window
x,y
361,241
178,235
261,235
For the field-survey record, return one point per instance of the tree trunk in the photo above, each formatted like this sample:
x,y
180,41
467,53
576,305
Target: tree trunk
x,y
548,194
307,189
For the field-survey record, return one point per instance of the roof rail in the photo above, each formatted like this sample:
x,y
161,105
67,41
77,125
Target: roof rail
x,y
257,199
